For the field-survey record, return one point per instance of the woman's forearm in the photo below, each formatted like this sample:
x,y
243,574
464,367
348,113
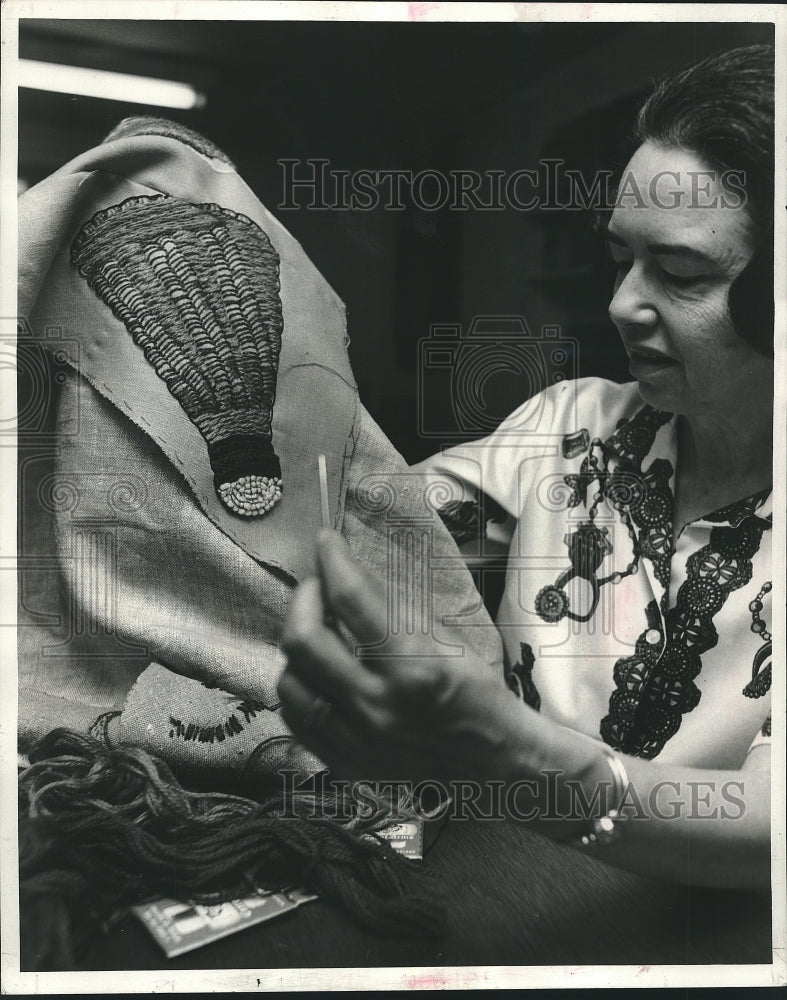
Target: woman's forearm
x,y
697,826
691,825
417,715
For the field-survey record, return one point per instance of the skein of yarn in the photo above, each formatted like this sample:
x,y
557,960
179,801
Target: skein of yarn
x,y
102,829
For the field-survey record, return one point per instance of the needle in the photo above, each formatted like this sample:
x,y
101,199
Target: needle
x,y
326,516
326,510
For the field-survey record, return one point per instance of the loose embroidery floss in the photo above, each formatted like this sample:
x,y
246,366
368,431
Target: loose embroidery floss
x,y
197,287
103,829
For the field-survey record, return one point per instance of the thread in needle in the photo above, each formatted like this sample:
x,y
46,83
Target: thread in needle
x,y
323,473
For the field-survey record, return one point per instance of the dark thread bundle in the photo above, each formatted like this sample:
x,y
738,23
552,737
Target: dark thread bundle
x,y
101,830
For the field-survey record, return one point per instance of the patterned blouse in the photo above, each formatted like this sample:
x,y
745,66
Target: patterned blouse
x,y
661,648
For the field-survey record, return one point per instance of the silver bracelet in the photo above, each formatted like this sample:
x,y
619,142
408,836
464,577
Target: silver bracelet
x,y
607,828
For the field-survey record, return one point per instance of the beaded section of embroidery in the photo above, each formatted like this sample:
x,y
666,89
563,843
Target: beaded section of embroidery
x,y
197,287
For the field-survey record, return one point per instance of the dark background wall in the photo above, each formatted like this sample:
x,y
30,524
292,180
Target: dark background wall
x,y
385,96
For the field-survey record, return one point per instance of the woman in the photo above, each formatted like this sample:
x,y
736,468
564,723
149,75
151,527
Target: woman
x,y
635,617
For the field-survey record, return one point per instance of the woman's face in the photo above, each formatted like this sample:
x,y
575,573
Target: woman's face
x,y
680,236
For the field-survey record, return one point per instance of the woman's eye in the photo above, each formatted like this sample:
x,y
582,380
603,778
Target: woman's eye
x,y
682,280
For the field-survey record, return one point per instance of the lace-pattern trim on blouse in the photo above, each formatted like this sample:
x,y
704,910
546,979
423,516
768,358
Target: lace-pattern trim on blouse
x,y
655,687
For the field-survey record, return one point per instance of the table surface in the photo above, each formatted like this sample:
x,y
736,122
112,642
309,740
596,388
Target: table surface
x,y
513,898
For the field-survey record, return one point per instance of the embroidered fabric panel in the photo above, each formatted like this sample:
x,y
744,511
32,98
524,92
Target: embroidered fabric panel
x,y
197,287
653,688
149,125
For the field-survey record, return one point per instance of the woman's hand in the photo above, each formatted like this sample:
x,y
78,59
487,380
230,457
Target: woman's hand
x,y
398,708
409,713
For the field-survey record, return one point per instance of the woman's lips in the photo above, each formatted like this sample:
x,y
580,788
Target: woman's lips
x,y
649,362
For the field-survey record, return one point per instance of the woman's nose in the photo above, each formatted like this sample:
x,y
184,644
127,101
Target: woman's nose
x,y
632,303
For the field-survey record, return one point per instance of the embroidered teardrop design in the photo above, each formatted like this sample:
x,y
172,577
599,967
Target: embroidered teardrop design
x,y
197,287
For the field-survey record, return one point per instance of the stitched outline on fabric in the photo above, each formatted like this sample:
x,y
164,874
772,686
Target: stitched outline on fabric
x,y
149,125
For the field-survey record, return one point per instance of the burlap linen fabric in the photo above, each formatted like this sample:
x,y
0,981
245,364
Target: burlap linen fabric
x,y
140,593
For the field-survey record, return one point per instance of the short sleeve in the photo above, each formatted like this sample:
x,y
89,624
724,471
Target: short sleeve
x,y
481,484
473,484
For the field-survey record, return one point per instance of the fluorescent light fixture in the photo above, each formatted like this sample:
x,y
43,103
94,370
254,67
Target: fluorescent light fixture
x,y
106,85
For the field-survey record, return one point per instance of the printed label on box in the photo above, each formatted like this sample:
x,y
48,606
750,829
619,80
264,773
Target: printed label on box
x,y
181,927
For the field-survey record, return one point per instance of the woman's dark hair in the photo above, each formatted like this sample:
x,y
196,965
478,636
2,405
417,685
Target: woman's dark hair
x,y
722,109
